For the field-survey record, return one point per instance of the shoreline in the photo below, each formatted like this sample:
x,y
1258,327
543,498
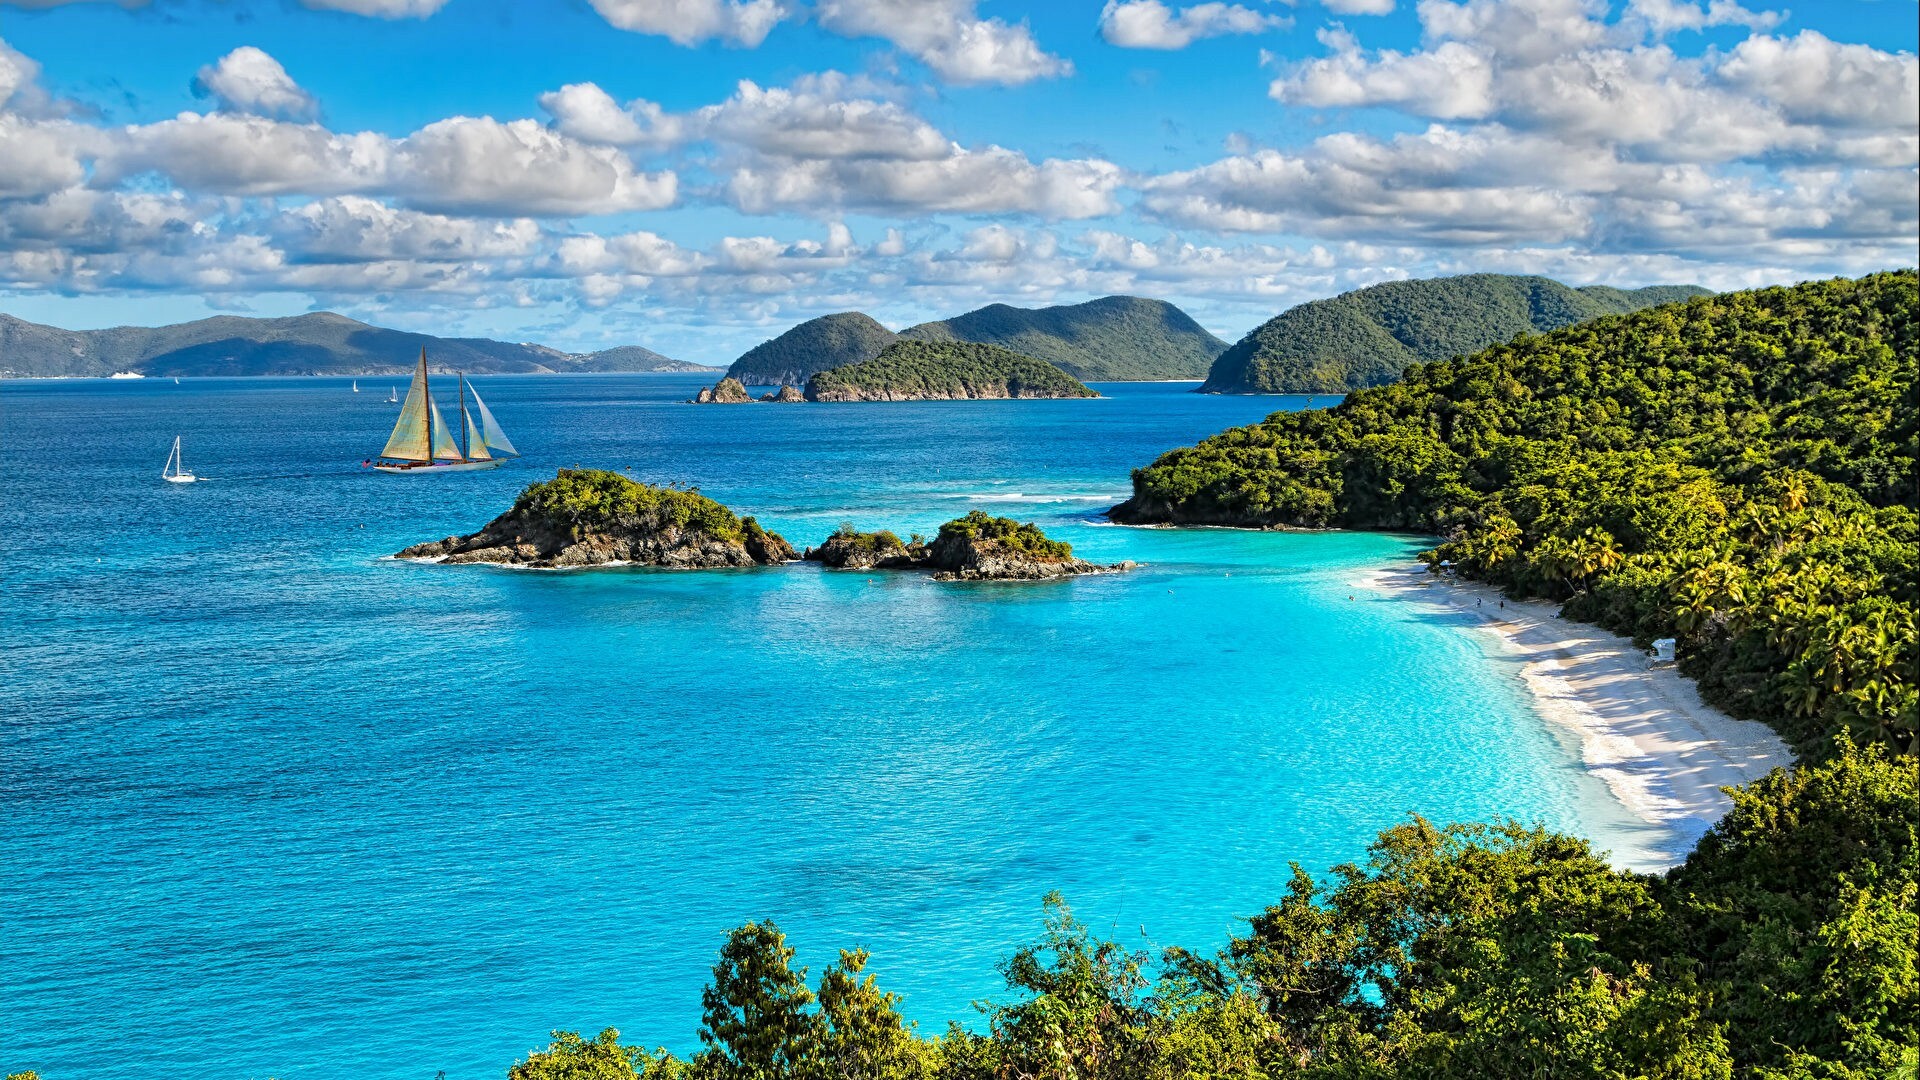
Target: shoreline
x,y
1662,752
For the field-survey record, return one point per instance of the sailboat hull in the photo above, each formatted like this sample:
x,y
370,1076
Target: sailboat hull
x,y
441,466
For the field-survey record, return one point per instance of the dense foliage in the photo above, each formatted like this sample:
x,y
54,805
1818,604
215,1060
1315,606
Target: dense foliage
x,y
945,369
1113,338
579,501
829,341
1369,336
1026,538
1783,949
1736,471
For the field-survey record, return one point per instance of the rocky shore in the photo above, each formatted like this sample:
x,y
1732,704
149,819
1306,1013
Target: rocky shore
x,y
591,517
977,547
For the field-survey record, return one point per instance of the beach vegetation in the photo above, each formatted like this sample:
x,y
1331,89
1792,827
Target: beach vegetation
x,y
1785,947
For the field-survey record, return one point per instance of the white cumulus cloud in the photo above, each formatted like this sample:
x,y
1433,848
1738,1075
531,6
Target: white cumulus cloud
x,y
948,36
690,22
1150,24
247,80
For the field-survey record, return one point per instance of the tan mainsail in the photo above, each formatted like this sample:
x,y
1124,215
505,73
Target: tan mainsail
x,y
411,432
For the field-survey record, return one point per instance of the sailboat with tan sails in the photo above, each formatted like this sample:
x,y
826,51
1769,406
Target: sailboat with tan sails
x,y
422,442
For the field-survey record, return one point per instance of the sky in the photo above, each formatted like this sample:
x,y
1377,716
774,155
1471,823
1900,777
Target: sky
x,y
697,175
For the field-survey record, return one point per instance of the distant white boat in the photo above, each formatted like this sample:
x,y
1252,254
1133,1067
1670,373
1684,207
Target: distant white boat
x,y
176,380
356,386
421,441
126,375
393,395
175,470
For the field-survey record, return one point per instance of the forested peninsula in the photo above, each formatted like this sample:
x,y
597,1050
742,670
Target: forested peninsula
x,y
945,370
1368,337
1736,471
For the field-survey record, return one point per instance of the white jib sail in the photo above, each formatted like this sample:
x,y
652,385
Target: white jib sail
x,y
495,439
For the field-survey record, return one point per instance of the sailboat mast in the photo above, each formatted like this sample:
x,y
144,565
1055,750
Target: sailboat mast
x,y
464,425
426,394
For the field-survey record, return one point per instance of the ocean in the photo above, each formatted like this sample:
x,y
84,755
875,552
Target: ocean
x,y
277,805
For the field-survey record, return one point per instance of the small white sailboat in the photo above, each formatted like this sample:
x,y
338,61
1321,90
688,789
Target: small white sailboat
x,y
421,441
356,386
175,470
393,395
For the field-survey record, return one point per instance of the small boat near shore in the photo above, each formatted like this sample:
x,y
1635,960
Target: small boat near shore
x,y
175,470
422,442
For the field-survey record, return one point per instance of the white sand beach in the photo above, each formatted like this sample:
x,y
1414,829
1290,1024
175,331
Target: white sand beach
x,y
1662,752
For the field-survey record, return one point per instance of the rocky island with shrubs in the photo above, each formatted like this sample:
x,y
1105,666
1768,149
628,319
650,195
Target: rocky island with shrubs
x,y
945,371
977,547
592,517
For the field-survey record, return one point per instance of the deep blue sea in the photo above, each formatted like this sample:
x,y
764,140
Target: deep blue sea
x,y
275,805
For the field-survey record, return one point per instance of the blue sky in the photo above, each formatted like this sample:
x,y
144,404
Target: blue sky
x,y
694,175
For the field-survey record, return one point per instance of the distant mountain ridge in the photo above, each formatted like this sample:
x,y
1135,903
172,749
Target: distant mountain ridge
x,y
1368,337
320,343
1114,338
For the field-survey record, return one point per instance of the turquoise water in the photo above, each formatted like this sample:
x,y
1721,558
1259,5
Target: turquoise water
x,y
275,805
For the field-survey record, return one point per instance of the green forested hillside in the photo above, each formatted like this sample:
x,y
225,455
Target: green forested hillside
x,y
1115,338
829,341
1369,336
937,370
1737,471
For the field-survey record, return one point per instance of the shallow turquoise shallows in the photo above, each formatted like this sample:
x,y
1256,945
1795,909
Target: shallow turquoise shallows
x,y
277,806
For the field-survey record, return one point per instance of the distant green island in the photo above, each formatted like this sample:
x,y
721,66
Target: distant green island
x,y
1112,339
944,370
829,341
1368,337
321,343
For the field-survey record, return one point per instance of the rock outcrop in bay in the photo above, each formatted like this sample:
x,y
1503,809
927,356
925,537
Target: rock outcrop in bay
x,y
785,394
978,547
727,391
851,550
592,517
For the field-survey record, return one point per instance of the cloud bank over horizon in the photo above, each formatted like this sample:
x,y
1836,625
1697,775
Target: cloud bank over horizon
x,y
1591,142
